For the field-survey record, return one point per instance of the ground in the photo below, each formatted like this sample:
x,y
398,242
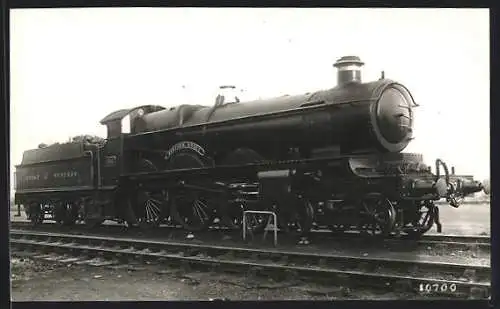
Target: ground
x,y
41,281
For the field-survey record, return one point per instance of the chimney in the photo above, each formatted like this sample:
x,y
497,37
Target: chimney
x,y
227,94
348,70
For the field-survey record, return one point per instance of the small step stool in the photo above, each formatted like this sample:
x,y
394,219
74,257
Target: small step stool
x,y
272,217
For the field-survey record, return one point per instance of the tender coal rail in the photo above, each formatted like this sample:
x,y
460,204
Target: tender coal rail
x,y
421,276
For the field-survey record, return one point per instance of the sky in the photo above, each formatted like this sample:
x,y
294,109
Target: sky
x,y
71,67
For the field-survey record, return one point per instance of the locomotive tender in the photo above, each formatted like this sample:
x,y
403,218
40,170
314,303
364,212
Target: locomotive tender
x,y
331,158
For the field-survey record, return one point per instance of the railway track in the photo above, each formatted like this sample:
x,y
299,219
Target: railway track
x,y
417,275
431,241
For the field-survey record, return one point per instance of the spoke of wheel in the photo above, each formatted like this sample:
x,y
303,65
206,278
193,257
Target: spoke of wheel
x,y
147,211
197,209
202,206
150,212
153,200
154,203
199,212
202,216
154,208
367,210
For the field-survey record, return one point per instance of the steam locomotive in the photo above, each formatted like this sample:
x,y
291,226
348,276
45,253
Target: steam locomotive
x,y
326,159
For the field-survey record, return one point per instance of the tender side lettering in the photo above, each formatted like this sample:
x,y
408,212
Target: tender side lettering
x,y
185,145
65,174
32,177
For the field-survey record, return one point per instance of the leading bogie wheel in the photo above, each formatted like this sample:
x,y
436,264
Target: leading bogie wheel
x,y
424,218
378,216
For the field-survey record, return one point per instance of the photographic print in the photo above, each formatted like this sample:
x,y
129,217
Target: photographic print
x,y
249,154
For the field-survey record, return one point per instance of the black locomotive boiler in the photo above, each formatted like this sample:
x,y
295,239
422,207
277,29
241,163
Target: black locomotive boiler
x,y
326,159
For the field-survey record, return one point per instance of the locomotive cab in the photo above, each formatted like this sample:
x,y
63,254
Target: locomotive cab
x,y
124,121
119,123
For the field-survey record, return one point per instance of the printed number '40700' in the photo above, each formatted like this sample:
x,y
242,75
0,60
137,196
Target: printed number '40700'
x,y
437,287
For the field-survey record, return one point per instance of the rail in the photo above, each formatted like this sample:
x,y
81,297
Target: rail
x,y
452,277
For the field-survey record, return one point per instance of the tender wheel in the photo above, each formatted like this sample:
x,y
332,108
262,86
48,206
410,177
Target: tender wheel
x,y
65,213
92,216
378,215
192,210
425,215
35,213
150,206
